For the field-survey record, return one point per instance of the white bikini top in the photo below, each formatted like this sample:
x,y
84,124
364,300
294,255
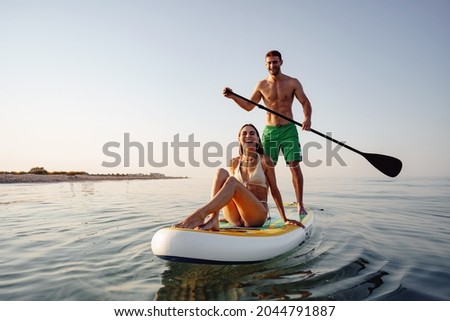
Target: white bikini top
x,y
257,177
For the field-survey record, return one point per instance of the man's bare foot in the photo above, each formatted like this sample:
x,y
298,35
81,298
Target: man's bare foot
x,y
212,224
302,210
192,221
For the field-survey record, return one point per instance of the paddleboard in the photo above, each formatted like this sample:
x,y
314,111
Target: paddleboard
x,y
232,245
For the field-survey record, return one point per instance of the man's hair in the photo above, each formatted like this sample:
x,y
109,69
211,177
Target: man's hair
x,y
274,53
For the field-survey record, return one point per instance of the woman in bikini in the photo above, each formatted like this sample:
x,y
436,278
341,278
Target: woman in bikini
x,y
243,195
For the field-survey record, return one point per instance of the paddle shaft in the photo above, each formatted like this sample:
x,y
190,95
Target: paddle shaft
x,y
297,123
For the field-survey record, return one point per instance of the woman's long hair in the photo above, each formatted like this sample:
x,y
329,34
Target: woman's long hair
x,y
259,148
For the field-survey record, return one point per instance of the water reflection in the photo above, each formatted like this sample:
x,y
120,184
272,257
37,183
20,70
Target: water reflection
x,y
281,279
261,281
185,281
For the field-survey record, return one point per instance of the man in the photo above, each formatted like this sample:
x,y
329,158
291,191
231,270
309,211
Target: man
x,y
278,91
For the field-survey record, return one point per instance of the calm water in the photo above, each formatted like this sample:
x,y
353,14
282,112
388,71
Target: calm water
x,y
375,239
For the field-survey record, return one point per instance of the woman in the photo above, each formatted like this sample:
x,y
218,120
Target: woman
x,y
242,196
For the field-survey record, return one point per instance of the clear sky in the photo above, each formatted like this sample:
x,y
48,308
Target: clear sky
x,y
78,78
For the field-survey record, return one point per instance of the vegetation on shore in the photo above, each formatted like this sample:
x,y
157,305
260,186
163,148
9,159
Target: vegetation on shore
x,y
43,171
40,174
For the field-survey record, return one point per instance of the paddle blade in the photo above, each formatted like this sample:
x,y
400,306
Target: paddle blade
x,y
388,165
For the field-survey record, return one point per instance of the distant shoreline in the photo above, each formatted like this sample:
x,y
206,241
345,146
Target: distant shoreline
x,y
50,178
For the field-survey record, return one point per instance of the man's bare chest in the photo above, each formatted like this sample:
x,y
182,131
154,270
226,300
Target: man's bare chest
x,y
278,93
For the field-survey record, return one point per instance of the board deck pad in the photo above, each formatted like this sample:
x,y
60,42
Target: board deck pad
x,y
270,223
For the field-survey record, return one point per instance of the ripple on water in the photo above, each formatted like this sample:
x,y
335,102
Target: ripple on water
x,y
374,240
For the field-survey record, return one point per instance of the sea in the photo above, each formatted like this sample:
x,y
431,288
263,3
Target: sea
x,y
374,239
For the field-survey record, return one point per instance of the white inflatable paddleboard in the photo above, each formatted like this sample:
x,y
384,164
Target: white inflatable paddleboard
x,y
232,245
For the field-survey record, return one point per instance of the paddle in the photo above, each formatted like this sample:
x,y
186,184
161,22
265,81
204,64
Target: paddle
x,y
388,165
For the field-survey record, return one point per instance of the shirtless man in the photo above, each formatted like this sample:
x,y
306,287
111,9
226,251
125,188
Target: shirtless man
x,y
278,91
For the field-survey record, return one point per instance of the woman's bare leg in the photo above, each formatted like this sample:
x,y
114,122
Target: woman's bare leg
x,y
252,212
246,209
219,180
212,223
197,220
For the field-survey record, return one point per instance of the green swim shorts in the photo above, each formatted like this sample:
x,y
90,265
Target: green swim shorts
x,y
284,138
